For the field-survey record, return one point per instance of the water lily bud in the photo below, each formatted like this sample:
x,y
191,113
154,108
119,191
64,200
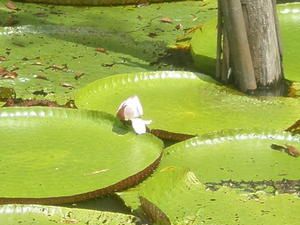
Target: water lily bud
x,y
130,108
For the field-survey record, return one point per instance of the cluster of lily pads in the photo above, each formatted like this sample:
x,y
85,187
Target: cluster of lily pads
x,y
223,175
238,167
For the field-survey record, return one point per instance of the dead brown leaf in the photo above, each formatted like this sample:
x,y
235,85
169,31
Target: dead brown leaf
x,y
166,20
292,151
179,26
41,77
58,67
69,221
11,5
193,29
15,102
78,75
10,75
289,149
6,74
102,50
67,85
2,58
37,63
295,128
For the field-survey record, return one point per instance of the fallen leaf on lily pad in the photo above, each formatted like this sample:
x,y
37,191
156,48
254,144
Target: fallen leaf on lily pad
x,y
102,50
78,75
67,85
59,67
11,5
6,74
289,149
18,102
292,150
193,29
294,128
41,77
179,26
166,20
2,58
35,63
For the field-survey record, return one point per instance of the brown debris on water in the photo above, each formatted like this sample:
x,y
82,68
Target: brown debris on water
x,y
284,186
78,75
18,102
11,5
6,74
166,20
289,149
292,151
3,58
295,128
101,50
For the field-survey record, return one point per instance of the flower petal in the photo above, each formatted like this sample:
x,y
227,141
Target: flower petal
x,y
130,108
139,125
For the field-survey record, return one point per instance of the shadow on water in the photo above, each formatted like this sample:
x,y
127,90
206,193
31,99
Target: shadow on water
x,y
206,64
286,1
111,203
120,128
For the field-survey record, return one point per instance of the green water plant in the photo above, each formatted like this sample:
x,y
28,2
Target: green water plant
x,y
188,103
230,177
66,155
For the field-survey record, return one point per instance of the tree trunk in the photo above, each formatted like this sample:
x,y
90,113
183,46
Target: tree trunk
x,y
248,35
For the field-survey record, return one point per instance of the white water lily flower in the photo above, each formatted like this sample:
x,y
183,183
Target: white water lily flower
x,y
131,110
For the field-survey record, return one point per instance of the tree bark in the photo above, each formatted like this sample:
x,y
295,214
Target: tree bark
x,y
254,46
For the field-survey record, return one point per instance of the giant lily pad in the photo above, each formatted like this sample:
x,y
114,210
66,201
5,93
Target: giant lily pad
x,y
289,15
183,102
203,44
58,155
50,215
225,178
60,48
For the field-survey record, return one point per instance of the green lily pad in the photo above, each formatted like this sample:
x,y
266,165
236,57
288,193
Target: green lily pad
x,y
188,103
289,16
203,44
60,48
203,48
238,156
50,215
59,155
225,178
